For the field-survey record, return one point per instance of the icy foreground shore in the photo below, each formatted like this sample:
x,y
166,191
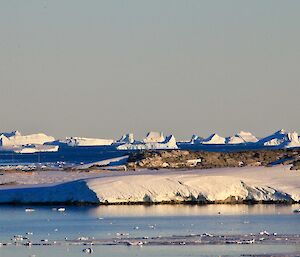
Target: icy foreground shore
x,y
213,185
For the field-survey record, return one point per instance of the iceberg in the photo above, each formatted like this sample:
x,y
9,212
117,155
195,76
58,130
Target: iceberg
x,y
281,139
196,139
126,138
292,140
16,139
247,137
154,137
36,149
83,141
10,134
168,143
241,138
214,139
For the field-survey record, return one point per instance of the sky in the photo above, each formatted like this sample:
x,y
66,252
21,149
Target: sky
x,y
105,68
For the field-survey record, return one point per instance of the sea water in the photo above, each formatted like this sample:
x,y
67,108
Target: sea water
x,y
45,222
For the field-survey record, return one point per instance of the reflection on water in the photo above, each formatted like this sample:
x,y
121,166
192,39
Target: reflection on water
x,y
193,210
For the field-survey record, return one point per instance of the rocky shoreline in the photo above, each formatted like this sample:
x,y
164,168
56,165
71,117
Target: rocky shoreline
x,y
260,238
180,159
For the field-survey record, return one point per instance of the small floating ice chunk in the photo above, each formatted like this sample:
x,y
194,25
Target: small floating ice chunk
x,y
140,243
29,210
88,250
208,235
18,238
264,233
83,238
29,244
61,209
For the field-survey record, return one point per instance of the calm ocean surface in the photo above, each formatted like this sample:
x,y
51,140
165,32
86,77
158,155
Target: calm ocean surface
x,y
164,220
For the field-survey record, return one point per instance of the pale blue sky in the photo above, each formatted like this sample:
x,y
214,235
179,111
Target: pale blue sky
x,y
103,68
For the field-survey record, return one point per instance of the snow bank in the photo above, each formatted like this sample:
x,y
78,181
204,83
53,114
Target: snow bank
x,y
73,192
255,183
259,184
82,141
109,162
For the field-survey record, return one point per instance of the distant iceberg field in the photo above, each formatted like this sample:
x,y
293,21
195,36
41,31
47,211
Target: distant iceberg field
x,y
35,143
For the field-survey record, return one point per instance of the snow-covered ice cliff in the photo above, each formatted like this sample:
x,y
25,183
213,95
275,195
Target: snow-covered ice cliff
x,y
251,183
